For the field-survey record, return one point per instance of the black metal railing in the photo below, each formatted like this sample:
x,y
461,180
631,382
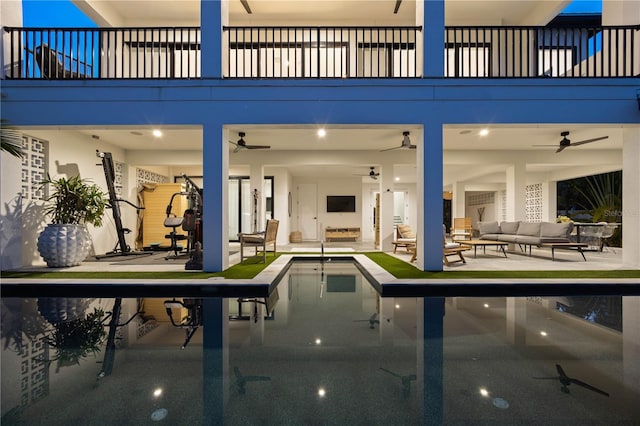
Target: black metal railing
x,y
542,52
322,52
81,53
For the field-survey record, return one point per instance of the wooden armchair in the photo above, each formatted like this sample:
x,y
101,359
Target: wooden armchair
x,y
260,240
405,237
461,229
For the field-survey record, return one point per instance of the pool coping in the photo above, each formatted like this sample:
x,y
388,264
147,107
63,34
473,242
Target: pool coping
x,y
264,282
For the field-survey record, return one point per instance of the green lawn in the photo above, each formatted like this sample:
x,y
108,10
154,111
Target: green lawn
x,y
396,267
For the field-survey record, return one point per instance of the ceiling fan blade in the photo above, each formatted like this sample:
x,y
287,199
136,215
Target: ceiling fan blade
x,y
246,6
391,149
397,6
546,145
588,386
560,149
257,146
588,141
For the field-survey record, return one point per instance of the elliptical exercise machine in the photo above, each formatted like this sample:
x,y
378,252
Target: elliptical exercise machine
x,y
121,248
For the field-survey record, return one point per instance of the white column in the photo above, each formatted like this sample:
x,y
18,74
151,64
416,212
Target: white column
x,y
386,207
256,324
549,201
516,320
387,308
631,342
631,197
516,191
458,205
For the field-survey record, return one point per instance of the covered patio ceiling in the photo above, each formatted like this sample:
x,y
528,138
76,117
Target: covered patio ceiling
x,y
319,12
346,151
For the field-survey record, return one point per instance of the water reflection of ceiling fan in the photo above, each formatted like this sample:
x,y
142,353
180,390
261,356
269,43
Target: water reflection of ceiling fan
x,y
405,380
373,320
372,173
565,381
566,142
242,380
241,144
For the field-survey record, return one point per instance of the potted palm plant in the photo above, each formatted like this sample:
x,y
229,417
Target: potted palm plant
x,y
72,204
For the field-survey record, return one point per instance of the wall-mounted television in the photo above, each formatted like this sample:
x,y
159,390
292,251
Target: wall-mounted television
x,y
341,203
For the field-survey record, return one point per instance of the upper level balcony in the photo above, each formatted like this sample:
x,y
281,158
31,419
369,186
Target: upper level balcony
x,y
310,39
321,52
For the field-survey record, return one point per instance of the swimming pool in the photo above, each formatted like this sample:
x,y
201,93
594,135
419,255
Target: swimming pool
x,y
325,348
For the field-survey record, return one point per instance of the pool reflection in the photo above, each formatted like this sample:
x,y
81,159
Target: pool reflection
x,y
328,350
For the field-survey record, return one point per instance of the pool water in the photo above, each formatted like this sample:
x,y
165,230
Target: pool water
x,y
326,349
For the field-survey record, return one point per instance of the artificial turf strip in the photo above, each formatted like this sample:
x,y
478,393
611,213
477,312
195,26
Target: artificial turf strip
x,y
245,270
401,269
396,267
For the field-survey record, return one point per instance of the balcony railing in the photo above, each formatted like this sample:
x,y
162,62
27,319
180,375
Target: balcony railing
x,y
103,53
542,52
322,52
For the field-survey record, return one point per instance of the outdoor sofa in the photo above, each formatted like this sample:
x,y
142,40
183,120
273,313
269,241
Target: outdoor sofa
x,y
526,233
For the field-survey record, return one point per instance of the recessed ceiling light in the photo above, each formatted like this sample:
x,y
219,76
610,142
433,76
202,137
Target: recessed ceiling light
x,y
486,305
484,392
483,132
157,133
543,333
318,341
157,392
397,179
322,133
321,392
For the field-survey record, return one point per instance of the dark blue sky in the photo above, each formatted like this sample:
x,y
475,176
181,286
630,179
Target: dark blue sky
x,y
53,13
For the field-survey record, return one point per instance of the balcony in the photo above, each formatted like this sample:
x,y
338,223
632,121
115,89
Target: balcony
x,y
322,52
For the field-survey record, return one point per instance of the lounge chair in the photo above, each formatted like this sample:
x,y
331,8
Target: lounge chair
x,y
448,249
452,249
260,240
405,237
51,64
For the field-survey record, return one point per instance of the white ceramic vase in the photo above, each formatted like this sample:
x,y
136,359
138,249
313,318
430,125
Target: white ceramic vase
x,y
64,245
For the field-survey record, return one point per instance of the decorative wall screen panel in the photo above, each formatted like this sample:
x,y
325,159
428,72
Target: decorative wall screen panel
x,y
481,199
533,203
34,168
146,176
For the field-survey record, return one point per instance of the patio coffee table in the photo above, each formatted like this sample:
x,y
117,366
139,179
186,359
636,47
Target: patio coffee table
x,y
566,246
484,243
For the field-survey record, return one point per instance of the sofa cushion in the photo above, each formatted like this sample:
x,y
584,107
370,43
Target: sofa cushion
x,y
509,227
555,230
405,231
508,238
488,228
529,228
528,240
494,237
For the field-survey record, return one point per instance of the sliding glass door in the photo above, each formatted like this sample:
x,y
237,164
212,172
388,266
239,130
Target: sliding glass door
x,y
241,205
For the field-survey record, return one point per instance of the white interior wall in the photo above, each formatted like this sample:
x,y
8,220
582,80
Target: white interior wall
x,y
343,186
72,153
281,183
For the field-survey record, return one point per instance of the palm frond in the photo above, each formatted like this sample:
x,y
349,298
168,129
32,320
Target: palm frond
x,y
10,140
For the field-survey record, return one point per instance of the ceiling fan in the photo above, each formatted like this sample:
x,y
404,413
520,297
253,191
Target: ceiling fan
x,y
566,143
242,144
406,143
372,173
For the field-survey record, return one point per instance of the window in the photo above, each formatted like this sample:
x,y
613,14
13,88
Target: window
x,y
467,61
